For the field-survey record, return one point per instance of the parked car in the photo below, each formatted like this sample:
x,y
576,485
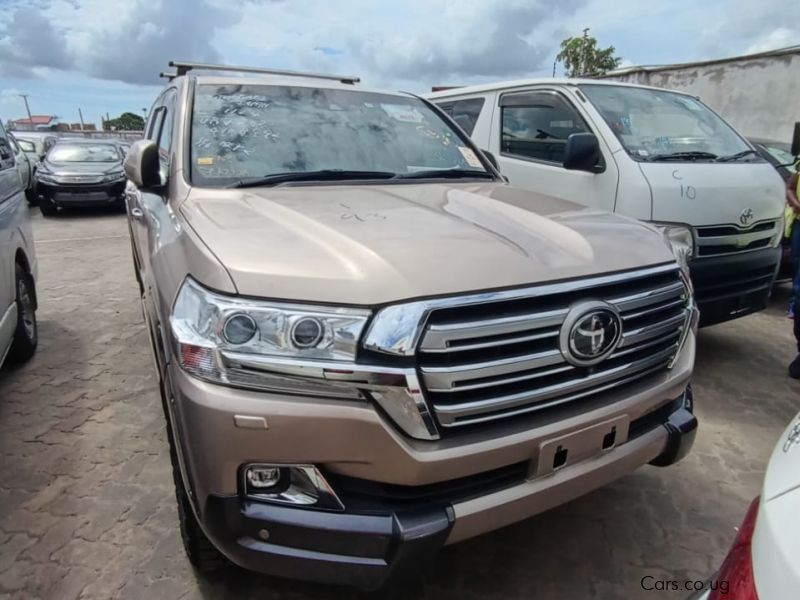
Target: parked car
x,y
763,560
81,173
18,330
41,140
369,345
779,155
648,153
25,167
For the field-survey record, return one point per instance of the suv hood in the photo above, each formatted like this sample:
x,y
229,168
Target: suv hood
x,y
372,244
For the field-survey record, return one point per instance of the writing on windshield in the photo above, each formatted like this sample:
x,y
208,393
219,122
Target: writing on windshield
x,y
253,131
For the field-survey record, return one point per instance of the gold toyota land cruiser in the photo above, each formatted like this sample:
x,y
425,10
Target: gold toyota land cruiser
x,y
369,345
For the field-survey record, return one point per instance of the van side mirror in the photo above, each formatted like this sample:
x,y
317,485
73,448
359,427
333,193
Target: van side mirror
x,y
491,158
582,153
141,164
796,140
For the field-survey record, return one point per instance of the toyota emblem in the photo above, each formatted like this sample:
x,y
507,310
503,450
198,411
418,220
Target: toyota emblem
x,y
746,216
591,331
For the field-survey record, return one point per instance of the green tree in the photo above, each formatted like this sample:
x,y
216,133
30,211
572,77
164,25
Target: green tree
x,y
582,57
127,121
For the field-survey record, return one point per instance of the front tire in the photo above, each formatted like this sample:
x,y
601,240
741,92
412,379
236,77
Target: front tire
x,y
26,335
47,207
203,555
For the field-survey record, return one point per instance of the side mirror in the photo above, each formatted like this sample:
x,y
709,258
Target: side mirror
x,y
796,140
141,164
491,158
582,153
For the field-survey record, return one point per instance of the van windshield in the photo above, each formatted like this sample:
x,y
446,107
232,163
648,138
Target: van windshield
x,y
654,123
244,132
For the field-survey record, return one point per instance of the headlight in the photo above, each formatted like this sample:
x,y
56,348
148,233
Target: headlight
x,y
220,323
778,236
115,176
290,349
680,239
46,176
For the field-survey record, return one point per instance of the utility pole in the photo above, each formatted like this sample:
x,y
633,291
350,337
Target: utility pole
x,y
27,108
80,114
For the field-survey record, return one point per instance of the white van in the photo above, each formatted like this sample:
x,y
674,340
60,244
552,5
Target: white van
x,y
647,153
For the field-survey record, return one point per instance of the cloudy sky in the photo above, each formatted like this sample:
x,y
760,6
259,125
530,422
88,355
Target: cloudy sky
x,y
105,55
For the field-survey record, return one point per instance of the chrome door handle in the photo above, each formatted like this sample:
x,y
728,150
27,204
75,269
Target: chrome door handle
x,y
137,213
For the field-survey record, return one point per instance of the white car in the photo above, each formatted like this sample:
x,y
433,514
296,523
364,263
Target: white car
x,y
764,561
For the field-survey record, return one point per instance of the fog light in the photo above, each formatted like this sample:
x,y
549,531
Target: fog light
x,y
263,477
298,485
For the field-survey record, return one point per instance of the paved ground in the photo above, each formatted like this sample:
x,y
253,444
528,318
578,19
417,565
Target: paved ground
x,y
86,502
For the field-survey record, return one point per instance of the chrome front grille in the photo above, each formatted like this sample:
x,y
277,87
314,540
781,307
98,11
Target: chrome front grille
x,y
719,240
494,359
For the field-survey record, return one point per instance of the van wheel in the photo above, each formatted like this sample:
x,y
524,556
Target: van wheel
x,y
203,555
47,207
26,335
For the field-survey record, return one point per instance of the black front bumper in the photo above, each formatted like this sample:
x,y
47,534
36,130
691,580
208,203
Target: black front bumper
x,y
381,541
727,287
81,195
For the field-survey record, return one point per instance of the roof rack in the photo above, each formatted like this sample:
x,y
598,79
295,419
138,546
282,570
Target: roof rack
x,y
169,76
183,68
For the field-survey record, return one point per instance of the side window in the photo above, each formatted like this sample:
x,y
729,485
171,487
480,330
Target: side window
x,y
165,134
466,112
537,124
6,151
154,122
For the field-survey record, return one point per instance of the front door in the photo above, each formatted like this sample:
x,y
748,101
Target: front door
x,y
529,135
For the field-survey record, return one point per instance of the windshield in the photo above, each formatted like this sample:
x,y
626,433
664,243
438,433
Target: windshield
x,y
649,123
26,146
253,131
83,153
783,156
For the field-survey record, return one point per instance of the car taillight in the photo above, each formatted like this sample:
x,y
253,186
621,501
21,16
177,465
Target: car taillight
x,y
735,578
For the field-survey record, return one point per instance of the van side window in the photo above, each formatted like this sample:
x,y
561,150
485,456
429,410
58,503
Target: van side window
x,y
537,124
464,112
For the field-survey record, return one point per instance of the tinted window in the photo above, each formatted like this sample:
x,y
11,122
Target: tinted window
x,y
165,135
154,123
537,125
652,122
241,131
464,112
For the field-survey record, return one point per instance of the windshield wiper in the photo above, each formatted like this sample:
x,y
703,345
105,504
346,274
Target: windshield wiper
x,y
688,155
736,156
445,174
321,175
